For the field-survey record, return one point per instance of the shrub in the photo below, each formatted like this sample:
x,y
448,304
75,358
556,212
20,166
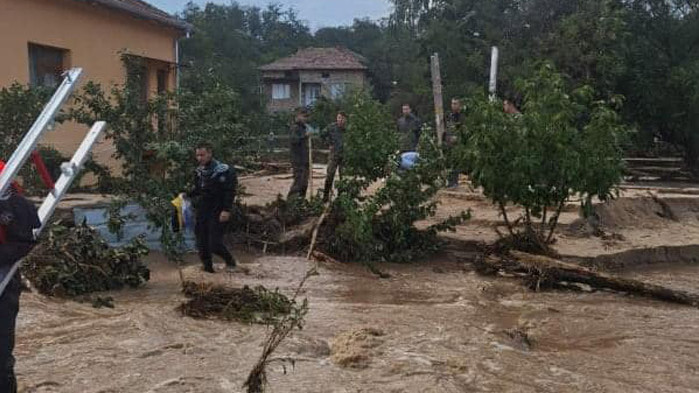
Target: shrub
x,y
380,225
564,144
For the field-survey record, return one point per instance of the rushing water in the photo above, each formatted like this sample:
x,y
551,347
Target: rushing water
x,y
443,329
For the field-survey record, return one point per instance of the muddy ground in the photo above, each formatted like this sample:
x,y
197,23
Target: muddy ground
x,y
434,326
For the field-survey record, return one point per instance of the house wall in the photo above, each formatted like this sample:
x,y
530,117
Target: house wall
x,y
354,79
94,38
281,105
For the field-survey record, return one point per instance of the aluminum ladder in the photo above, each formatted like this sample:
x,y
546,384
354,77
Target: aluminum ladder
x,y
69,170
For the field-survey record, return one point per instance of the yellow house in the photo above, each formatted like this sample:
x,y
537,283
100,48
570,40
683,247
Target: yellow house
x,y
39,39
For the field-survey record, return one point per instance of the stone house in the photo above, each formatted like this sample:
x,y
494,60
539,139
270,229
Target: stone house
x,y
300,79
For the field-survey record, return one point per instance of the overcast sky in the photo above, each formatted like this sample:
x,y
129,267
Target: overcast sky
x,y
318,13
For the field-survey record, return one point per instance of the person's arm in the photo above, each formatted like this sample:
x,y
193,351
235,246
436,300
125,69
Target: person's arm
x,y
229,183
228,187
195,191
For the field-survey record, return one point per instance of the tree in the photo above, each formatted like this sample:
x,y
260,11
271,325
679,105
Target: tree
x,y
564,144
369,223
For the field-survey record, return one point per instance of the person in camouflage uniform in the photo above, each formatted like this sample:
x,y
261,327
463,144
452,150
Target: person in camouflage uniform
x,y
299,135
334,135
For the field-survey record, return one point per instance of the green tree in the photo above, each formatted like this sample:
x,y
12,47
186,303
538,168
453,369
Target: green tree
x,y
565,144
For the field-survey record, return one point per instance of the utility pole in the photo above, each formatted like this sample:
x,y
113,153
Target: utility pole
x,y
438,100
492,88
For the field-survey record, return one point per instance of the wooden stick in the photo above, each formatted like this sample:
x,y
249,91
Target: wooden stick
x,y
310,168
438,100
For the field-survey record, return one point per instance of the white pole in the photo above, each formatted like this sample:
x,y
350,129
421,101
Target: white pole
x,y
492,89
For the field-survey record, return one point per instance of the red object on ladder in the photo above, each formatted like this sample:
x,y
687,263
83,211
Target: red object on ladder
x,y
43,173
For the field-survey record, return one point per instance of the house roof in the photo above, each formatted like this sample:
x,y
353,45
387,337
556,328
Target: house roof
x,y
143,10
318,59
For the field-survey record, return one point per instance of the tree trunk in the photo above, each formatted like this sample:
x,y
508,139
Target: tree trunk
x,y
552,272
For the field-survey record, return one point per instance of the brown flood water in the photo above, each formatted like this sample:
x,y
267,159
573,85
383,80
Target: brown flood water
x,y
444,329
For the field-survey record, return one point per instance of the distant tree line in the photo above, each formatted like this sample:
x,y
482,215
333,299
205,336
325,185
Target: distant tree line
x,y
642,53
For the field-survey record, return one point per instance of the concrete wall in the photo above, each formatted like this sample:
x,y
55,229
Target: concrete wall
x,y
93,36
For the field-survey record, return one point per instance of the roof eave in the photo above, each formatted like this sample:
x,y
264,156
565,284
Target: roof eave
x,y
313,69
171,22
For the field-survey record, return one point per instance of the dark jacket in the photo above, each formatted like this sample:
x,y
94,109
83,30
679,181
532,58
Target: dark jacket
x,y
334,135
451,133
299,144
214,188
409,129
18,217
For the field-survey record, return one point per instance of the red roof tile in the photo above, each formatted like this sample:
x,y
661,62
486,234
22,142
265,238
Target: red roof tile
x,y
318,59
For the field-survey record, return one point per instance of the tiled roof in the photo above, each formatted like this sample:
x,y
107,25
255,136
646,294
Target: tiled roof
x,y
142,9
318,59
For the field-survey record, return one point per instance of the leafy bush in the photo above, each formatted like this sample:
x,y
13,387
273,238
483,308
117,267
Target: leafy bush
x,y
155,139
380,225
564,144
75,261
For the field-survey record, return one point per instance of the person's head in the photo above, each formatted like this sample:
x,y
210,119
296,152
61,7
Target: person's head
x,y
302,115
204,153
341,119
509,107
406,110
455,105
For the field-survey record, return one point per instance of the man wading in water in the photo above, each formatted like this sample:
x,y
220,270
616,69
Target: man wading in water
x,y
213,195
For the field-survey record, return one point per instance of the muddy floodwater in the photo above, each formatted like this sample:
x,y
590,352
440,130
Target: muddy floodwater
x,y
431,327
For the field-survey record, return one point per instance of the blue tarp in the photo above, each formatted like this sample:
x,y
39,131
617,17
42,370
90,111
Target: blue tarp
x,y
135,225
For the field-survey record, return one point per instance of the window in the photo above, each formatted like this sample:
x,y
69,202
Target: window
x,y
46,65
337,90
325,75
162,81
281,91
311,93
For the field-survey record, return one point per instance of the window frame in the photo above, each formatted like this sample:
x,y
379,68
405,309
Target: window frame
x,y
286,91
39,60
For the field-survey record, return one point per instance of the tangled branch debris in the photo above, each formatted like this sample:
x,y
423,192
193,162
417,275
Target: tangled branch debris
x,y
248,305
74,261
544,272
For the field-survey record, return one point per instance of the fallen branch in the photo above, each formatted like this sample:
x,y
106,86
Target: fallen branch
x,y
322,257
543,271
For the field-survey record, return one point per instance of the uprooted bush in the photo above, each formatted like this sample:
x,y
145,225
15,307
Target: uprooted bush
x,y
379,225
248,305
73,261
564,145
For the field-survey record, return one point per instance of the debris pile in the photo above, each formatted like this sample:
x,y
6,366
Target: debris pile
x,y
248,305
73,261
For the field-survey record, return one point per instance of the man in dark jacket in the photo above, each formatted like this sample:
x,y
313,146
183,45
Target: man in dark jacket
x,y
18,219
299,154
409,129
334,136
214,190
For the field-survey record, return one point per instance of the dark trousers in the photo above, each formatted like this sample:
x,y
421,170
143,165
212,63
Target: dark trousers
x,y
300,184
9,307
209,232
333,164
